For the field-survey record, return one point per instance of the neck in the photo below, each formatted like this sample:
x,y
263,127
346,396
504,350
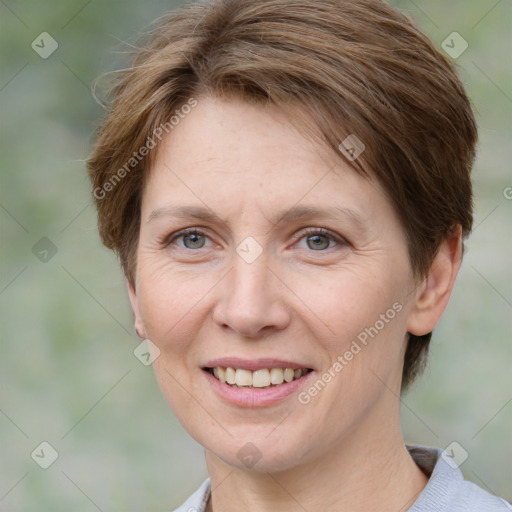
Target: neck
x,y
369,469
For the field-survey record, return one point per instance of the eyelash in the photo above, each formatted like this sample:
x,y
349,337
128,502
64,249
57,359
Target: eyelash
x,y
307,232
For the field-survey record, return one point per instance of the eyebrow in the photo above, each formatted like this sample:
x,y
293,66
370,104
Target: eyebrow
x,y
294,214
310,212
184,212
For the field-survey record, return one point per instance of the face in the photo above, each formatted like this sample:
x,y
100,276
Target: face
x,y
260,251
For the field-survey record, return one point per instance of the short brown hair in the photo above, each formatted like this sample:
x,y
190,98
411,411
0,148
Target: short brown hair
x,y
358,67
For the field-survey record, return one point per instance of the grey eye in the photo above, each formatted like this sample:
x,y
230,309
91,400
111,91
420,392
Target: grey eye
x,y
193,240
318,242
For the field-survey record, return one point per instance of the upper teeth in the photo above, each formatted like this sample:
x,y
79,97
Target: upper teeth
x,y
259,378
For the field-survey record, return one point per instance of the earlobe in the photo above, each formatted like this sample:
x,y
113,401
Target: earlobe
x,y
138,324
435,290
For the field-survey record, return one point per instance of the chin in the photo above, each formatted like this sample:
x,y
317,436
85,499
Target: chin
x,y
259,458
258,449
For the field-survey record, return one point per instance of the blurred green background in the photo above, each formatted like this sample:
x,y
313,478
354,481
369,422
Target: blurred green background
x,y
68,375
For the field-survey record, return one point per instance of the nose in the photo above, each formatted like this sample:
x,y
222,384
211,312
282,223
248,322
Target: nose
x,y
251,301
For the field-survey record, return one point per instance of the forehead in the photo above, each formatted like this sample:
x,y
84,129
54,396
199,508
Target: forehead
x,y
222,131
227,152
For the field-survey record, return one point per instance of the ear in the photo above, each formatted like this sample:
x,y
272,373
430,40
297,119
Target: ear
x,y
434,292
138,323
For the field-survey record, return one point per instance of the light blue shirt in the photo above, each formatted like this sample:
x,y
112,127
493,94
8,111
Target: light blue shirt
x,y
446,490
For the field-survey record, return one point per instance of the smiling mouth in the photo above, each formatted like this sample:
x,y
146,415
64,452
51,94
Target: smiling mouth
x,y
262,378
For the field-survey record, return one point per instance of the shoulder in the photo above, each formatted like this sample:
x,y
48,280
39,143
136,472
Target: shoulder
x,y
197,502
475,499
447,490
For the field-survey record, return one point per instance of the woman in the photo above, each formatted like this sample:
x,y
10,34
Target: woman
x,y
287,185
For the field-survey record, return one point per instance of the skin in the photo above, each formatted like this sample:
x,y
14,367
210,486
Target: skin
x,y
248,164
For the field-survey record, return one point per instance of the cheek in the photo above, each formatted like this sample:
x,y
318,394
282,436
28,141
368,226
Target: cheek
x,y
345,301
359,320
170,301
172,305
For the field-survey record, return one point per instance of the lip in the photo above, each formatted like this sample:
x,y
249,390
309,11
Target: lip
x,y
254,364
256,397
